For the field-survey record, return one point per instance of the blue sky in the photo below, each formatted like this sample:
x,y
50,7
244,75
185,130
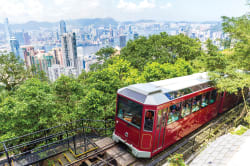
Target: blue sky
x,y
19,11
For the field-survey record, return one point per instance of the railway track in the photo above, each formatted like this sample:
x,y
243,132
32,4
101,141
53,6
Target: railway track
x,y
95,157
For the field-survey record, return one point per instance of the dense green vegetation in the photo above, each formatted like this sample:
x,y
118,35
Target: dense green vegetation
x,y
29,102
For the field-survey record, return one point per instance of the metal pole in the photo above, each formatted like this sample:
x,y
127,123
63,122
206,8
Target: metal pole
x,y
84,137
105,126
67,137
7,154
45,133
74,142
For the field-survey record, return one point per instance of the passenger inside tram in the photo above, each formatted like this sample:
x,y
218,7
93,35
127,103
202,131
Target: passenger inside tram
x,y
196,103
205,98
149,119
186,109
174,113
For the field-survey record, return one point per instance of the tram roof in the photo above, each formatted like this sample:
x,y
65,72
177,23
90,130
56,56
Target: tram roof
x,y
155,93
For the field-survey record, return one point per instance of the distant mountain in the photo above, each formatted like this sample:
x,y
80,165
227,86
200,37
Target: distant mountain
x,y
138,21
94,21
35,25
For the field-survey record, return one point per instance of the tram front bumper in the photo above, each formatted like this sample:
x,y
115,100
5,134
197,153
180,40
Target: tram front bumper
x,y
137,153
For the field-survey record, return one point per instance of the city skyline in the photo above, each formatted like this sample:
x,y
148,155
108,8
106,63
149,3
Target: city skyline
x,y
123,10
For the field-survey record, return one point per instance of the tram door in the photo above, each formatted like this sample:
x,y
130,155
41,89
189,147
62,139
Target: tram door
x,y
160,129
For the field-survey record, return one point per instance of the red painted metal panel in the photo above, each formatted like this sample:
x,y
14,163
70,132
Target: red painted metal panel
x,y
127,132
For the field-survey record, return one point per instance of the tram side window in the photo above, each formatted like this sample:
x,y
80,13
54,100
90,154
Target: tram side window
x,y
149,120
174,113
196,103
159,118
205,99
186,108
213,97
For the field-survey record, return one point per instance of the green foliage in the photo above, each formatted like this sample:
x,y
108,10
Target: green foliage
x,y
240,130
156,71
105,52
30,108
238,29
229,69
213,60
69,94
103,85
160,48
232,63
176,160
12,72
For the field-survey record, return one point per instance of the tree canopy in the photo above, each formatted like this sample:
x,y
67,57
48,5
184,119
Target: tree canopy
x,y
12,71
160,48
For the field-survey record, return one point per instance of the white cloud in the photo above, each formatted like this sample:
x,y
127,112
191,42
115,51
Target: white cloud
x,y
94,3
21,9
49,10
144,4
168,5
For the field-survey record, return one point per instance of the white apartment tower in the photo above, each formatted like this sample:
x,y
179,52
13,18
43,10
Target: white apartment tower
x,y
69,50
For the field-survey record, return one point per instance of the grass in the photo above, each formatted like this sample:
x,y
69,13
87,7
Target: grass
x,y
239,130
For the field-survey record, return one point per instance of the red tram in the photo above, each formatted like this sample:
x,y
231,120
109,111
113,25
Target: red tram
x,y
152,116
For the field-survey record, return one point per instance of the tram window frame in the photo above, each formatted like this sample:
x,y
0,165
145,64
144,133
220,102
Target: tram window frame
x,y
165,115
195,99
146,121
189,102
159,118
178,111
130,111
213,96
207,98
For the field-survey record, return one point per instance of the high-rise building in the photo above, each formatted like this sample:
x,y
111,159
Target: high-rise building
x,y
29,53
122,41
7,30
136,36
19,36
26,38
130,29
14,44
69,50
62,27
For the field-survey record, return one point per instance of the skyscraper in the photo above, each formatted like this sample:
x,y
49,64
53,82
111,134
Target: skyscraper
x,y
136,36
69,50
14,44
7,30
62,27
20,37
130,29
26,38
122,41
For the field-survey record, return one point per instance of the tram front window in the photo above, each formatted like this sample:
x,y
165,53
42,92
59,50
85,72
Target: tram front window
x,y
129,111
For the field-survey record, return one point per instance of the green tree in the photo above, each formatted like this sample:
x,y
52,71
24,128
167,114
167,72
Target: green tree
x,y
160,48
212,60
105,52
29,109
12,71
156,71
68,93
231,66
104,84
